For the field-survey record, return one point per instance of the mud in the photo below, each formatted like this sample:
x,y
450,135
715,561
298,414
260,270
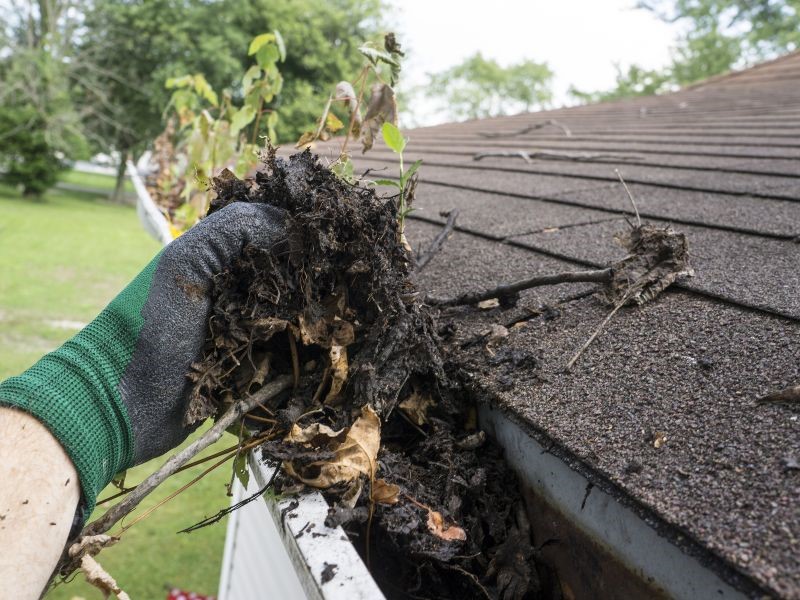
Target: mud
x,y
336,306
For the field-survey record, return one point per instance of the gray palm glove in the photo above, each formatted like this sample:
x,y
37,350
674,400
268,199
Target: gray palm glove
x,y
115,394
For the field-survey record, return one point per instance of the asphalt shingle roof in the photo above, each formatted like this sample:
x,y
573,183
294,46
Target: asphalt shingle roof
x,y
721,162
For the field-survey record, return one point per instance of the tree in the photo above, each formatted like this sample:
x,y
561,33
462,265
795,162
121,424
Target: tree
x,y
39,123
137,46
636,81
480,87
763,28
720,35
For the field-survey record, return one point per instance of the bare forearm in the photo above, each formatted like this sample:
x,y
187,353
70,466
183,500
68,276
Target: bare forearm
x,y
39,492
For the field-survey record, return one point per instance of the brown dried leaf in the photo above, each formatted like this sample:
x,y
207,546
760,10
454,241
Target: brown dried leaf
x,y
657,257
381,108
384,492
449,532
343,333
416,406
98,577
339,370
355,455
495,334
659,439
344,91
314,332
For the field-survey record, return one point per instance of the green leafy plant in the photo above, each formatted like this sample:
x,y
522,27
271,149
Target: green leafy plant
x,y
406,183
380,73
219,133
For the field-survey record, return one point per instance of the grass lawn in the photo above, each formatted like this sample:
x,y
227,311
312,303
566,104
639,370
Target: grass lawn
x,y
103,183
62,260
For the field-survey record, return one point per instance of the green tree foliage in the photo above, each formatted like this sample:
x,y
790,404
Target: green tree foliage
x,y
39,122
111,59
720,35
762,28
633,82
139,45
480,87
27,159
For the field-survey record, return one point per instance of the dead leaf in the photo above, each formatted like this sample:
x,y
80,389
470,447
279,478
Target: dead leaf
x,y
305,139
384,492
351,496
446,531
355,451
314,332
345,92
657,257
339,369
343,333
659,439
416,406
490,303
381,108
99,578
495,334
333,123
85,549
269,326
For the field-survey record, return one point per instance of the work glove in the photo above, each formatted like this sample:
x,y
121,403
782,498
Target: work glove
x,y
116,393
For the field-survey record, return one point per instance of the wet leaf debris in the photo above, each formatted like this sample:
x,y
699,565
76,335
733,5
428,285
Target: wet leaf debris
x,y
373,417
379,415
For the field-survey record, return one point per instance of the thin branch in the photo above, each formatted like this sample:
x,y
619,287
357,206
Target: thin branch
x,y
551,155
121,509
630,196
594,335
528,129
228,510
438,242
507,290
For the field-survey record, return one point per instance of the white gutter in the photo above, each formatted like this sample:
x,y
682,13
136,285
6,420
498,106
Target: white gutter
x,y
287,551
151,217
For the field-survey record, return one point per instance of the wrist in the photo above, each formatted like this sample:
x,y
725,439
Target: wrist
x,y
74,391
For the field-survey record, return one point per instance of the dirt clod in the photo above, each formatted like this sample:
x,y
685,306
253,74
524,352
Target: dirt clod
x,y
434,508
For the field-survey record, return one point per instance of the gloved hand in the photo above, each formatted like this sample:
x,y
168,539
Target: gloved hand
x,y
115,394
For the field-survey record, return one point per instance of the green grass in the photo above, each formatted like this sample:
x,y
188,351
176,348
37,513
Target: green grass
x,y
62,260
152,556
93,180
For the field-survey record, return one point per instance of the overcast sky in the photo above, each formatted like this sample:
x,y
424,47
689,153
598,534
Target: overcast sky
x,y
580,39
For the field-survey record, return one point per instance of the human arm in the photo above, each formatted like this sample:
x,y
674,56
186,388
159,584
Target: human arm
x,y
38,497
115,395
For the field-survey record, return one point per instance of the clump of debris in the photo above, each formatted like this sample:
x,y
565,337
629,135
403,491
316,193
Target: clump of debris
x,y
326,341
372,417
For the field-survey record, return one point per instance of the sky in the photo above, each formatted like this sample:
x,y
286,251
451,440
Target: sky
x,y
579,39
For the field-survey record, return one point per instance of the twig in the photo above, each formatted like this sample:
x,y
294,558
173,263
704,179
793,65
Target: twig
x,y
507,290
194,463
595,334
295,360
633,202
528,157
226,511
438,242
270,390
528,129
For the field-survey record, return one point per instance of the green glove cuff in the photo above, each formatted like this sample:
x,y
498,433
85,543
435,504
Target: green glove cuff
x,y
74,391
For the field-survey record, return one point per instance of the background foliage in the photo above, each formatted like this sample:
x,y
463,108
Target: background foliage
x,y
480,87
719,35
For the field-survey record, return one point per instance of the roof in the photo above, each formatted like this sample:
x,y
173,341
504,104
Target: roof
x,y
720,161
